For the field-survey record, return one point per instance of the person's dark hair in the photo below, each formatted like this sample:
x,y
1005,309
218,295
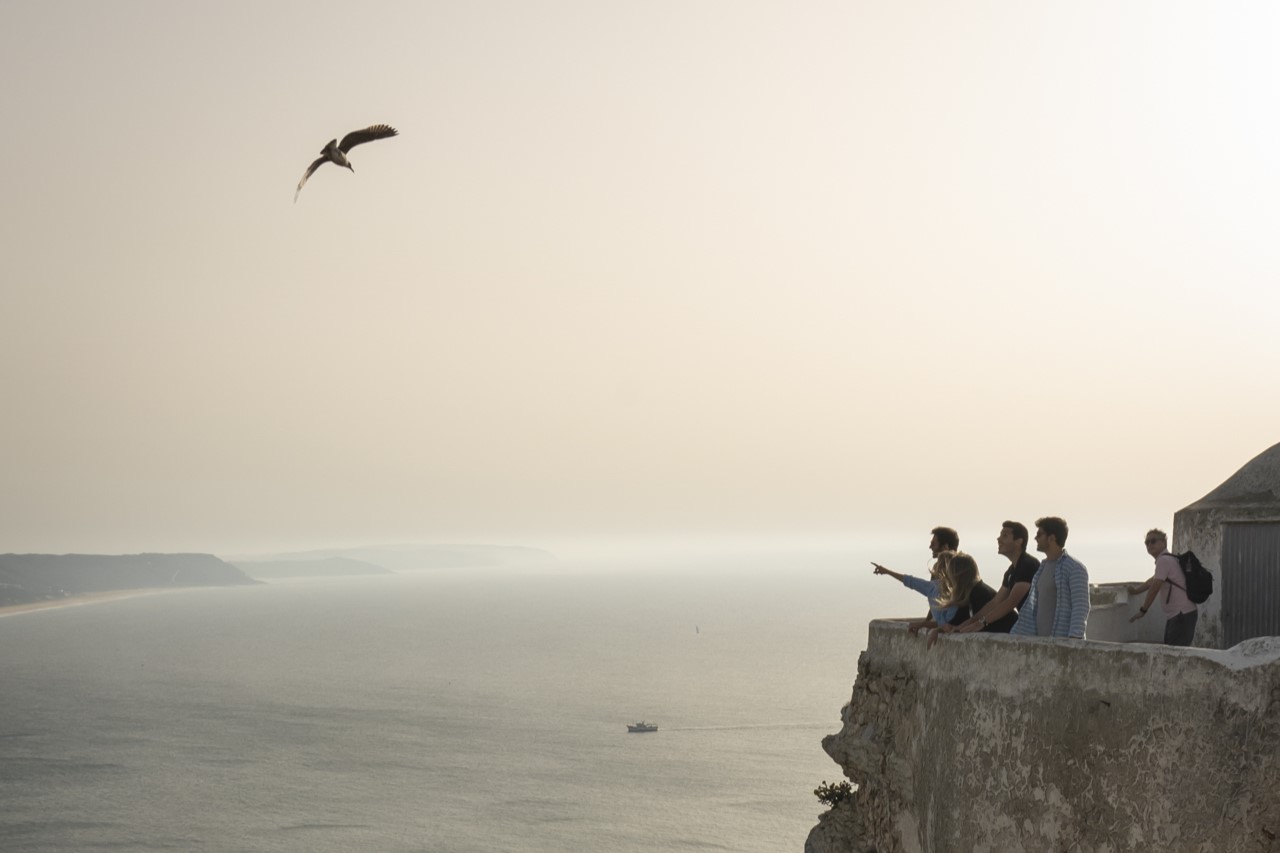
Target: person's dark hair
x,y
1055,527
1157,533
1019,531
947,537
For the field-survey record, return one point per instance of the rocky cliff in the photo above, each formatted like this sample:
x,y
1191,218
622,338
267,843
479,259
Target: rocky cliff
x,y
989,743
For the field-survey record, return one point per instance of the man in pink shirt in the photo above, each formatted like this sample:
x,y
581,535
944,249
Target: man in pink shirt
x,y
1180,613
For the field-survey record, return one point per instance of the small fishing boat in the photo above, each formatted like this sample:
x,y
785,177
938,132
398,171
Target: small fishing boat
x,y
641,726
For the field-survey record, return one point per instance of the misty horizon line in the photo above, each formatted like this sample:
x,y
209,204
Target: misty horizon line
x,y
567,546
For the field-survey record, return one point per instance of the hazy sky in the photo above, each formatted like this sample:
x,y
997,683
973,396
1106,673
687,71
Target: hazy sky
x,y
631,270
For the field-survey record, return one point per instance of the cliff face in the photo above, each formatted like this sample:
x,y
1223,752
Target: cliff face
x,y
987,743
30,577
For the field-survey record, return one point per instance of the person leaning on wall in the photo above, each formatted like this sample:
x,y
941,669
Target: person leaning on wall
x,y
1057,604
962,590
1000,615
1180,613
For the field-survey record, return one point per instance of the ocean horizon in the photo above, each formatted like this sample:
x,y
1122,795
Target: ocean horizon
x,y
444,711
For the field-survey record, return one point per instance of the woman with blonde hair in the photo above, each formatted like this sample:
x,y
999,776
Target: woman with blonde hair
x,y
961,592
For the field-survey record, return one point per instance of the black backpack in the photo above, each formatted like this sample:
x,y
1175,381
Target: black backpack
x,y
1199,582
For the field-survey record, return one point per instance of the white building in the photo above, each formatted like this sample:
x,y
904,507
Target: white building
x,y
1235,531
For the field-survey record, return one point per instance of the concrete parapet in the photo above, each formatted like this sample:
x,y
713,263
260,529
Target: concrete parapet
x,y
1110,608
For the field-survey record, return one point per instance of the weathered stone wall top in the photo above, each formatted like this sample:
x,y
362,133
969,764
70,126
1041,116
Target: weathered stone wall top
x,y
991,743
1100,664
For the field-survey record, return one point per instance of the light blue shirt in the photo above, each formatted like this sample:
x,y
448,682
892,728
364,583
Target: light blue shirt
x,y
929,589
1072,607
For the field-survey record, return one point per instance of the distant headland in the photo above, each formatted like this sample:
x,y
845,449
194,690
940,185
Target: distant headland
x,y
33,578
42,580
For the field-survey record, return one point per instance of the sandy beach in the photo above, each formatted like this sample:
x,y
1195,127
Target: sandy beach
x,y
86,598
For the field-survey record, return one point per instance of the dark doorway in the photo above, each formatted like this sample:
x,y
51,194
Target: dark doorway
x,y
1250,581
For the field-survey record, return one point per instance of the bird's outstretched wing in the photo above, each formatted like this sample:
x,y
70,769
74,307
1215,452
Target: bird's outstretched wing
x,y
310,169
359,137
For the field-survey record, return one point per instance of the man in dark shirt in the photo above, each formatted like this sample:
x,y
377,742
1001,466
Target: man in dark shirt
x,y
1002,612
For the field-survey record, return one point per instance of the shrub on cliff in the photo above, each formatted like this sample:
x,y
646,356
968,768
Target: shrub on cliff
x,y
830,794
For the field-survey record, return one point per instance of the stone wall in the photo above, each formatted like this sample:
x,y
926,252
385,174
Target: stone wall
x,y
990,743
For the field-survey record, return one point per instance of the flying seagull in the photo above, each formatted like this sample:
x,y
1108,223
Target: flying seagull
x,y
335,153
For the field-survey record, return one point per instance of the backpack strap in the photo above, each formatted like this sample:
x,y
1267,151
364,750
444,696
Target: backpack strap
x,y
1169,595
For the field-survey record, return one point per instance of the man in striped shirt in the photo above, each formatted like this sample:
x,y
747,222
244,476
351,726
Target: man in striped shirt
x,y
1057,605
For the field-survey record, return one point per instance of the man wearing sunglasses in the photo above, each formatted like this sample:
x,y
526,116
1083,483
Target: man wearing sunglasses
x,y
1179,612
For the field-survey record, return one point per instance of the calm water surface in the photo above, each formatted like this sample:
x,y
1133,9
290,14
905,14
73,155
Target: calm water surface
x,y
437,712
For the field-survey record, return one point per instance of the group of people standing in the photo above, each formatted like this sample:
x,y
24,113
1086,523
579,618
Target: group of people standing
x,y
1036,598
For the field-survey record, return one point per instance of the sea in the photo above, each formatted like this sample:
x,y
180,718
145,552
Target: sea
x,y
459,711
454,711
